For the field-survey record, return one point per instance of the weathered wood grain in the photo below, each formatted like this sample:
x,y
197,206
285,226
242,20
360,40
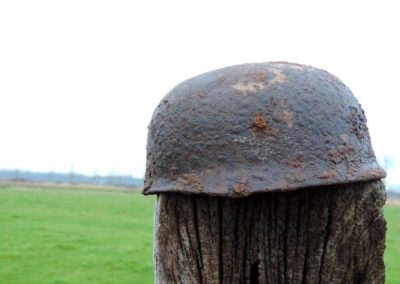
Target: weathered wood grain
x,y
332,234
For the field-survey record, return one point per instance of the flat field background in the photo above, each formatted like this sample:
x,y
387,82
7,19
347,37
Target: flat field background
x,y
79,235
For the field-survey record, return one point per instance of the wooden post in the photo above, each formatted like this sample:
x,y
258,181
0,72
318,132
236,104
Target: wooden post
x,y
313,235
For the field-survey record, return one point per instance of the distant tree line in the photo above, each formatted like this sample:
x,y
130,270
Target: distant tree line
x,y
393,193
71,178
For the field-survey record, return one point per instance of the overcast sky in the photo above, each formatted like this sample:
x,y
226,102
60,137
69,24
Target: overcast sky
x,y
79,80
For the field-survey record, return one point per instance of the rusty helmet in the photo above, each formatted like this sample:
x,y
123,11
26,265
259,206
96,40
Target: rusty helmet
x,y
260,127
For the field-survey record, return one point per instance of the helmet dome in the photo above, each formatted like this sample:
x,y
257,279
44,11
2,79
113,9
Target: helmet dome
x,y
258,128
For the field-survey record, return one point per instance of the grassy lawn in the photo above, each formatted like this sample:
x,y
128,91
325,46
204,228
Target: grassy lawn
x,y
66,236
392,252
78,236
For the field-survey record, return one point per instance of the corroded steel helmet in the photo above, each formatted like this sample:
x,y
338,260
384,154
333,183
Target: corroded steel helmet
x,y
258,128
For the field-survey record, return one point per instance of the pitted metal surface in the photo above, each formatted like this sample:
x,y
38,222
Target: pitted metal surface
x,y
258,128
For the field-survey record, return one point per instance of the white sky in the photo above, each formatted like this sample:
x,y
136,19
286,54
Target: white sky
x,y
79,80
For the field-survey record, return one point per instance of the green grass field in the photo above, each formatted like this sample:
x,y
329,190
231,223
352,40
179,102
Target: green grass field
x,y
78,236
72,236
392,252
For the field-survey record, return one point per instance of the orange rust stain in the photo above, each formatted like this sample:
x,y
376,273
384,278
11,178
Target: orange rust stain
x,y
294,164
376,173
202,94
191,180
327,175
357,123
279,78
259,121
256,81
241,187
259,125
259,75
249,87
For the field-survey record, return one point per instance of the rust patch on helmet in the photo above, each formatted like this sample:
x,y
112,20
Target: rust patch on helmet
x,y
247,88
241,187
259,125
331,174
259,75
279,78
191,180
294,164
376,173
202,94
357,123
342,153
259,122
